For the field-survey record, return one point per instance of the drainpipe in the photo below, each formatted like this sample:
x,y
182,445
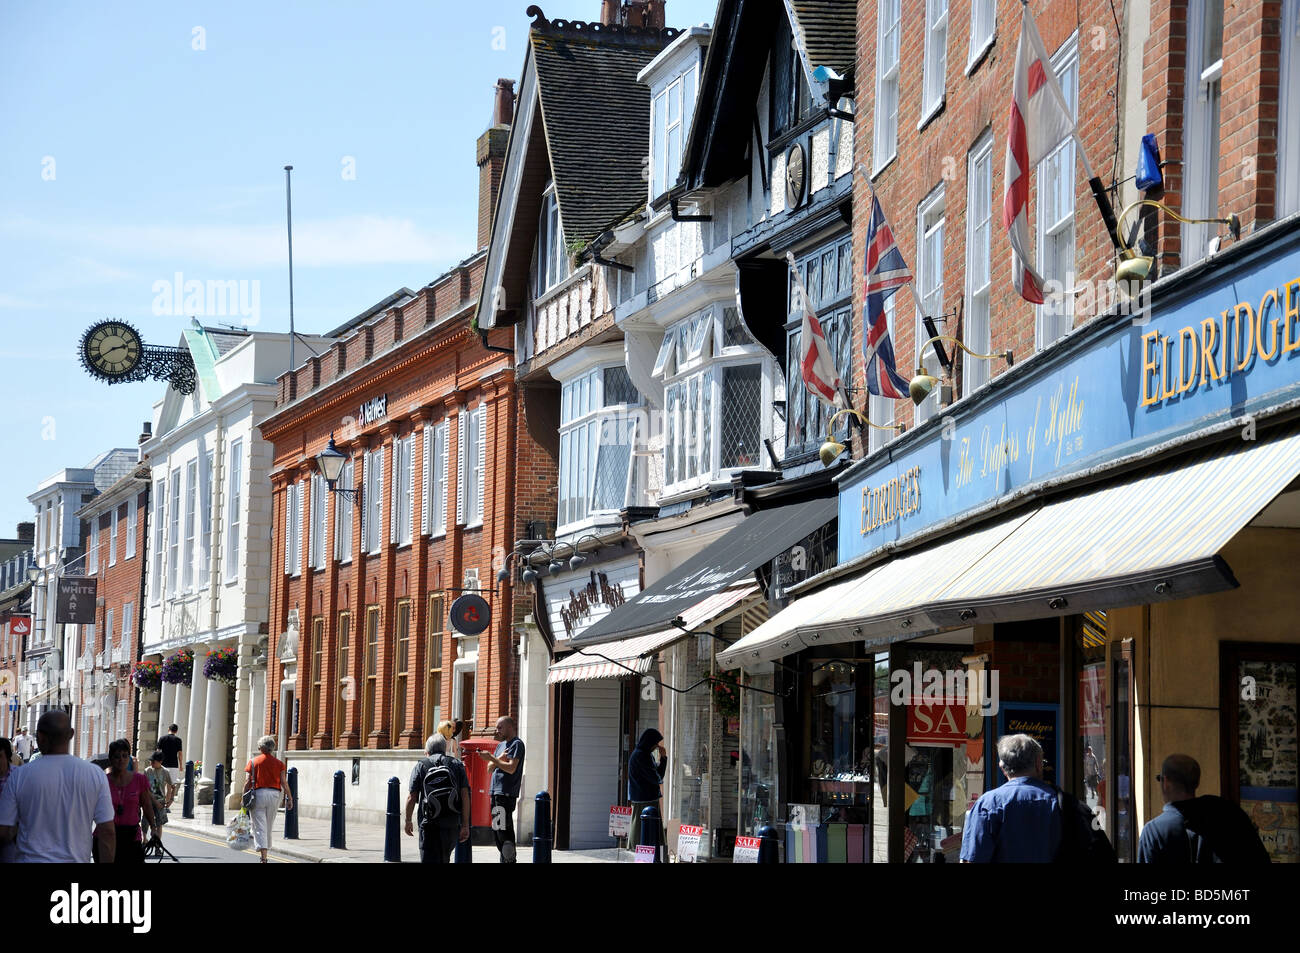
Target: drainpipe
x,y
482,336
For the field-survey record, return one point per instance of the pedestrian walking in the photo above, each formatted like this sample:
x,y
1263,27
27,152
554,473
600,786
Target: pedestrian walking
x,y
1027,820
23,745
131,797
52,805
266,779
644,777
161,787
507,775
1197,830
440,788
8,852
172,749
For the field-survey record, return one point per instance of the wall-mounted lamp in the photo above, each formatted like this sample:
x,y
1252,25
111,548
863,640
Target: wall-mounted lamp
x,y
832,448
1135,267
922,384
331,461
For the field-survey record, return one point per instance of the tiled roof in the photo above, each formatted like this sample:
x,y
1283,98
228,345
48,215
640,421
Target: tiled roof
x,y
596,116
224,339
829,30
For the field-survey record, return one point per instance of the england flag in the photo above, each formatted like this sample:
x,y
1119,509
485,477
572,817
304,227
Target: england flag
x,y
885,272
1039,121
816,363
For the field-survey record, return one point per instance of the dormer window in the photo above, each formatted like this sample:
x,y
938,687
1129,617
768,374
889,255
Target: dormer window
x,y
552,257
672,108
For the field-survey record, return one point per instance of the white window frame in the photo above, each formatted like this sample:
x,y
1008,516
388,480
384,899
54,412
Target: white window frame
x,y
552,258
209,477
460,468
174,531
191,521
235,499
128,620
934,69
93,559
293,529
373,501
1055,316
889,31
316,534
132,514
679,91
403,489
437,504
1202,99
109,618
931,224
343,512
983,30
585,424
112,535
1288,126
979,255
159,517
882,410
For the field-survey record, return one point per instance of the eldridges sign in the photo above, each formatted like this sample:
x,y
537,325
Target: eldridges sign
x,y
1219,345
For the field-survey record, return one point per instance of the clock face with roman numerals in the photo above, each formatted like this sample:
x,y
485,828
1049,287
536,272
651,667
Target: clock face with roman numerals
x,y
111,350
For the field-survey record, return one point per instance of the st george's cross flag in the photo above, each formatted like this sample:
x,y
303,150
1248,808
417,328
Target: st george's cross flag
x,y
1039,121
816,363
885,272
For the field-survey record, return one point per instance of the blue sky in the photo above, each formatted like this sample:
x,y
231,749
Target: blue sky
x,y
146,139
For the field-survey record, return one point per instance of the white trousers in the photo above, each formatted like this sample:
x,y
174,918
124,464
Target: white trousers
x,y
266,801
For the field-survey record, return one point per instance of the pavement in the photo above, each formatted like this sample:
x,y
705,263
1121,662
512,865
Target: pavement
x,y
365,842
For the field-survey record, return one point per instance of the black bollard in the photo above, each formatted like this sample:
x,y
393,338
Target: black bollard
x,y
338,838
767,847
291,813
187,801
542,828
651,833
219,797
392,829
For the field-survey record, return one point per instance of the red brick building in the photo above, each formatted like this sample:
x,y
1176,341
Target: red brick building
x,y
426,408
105,700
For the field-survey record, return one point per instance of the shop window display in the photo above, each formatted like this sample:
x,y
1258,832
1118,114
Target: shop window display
x,y
1091,748
759,793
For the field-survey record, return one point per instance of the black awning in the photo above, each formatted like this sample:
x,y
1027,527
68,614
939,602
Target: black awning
x,y
759,539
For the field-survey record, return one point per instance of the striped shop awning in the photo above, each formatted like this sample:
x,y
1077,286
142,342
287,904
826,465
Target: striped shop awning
x,y
1145,538
624,657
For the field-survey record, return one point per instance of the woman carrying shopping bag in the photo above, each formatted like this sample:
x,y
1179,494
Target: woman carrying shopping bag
x,y
266,779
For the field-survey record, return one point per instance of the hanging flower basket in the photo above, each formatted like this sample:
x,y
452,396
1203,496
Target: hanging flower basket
x,y
726,697
178,669
147,676
221,666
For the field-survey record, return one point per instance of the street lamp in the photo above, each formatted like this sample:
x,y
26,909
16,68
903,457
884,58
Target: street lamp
x,y
331,461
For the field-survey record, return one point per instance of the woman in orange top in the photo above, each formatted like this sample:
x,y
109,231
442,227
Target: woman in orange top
x,y
266,779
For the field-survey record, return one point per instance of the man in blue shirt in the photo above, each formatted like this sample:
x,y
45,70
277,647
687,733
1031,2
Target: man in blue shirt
x,y
1020,821
508,774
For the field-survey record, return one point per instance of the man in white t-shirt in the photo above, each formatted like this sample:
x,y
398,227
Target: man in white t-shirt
x,y
53,804
23,745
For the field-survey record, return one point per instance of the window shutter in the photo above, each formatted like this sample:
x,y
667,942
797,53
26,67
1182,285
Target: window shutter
x,y
482,455
444,451
365,501
460,469
425,498
288,529
410,485
377,530
297,515
395,492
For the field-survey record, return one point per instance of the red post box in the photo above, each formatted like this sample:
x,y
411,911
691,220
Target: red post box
x,y
480,780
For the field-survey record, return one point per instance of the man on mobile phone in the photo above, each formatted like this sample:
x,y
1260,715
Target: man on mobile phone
x,y
508,774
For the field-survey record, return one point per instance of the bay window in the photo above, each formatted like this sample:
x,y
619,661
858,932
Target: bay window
x,y
827,272
716,387
598,432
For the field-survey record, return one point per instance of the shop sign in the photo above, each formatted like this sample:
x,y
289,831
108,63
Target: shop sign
x,y
76,600
1219,348
645,854
936,723
688,843
374,409
578,600
598,591
470,614
620,821
1039,720
20,625
746,851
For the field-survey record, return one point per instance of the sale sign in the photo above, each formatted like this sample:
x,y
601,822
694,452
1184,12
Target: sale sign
x,y
936,723
746,850
645,854
688,843
620,821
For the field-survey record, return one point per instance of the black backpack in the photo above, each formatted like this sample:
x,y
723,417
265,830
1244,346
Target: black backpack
x,y
1082,839
441,795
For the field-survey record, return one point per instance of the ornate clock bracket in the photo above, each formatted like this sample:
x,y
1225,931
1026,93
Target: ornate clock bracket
x,y
172,364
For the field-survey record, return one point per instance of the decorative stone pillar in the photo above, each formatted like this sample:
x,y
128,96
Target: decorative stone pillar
x,y
197,719
216,729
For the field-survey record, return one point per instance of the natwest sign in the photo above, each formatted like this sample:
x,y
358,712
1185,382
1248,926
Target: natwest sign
x,y
374,409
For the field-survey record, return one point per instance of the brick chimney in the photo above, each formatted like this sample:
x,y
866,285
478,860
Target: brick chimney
x,y
27,532
648,14
491,156
610,12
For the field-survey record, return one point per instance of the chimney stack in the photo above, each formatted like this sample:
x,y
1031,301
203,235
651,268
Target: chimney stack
x,y
610,11
27,532
648,14
491,156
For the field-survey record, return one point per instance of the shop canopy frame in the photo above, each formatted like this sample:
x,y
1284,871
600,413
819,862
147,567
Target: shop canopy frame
x,y
1147,538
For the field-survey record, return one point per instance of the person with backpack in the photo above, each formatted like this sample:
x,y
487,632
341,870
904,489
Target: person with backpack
x,y
440,786
1197,830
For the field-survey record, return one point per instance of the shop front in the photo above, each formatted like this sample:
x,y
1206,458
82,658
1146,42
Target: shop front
x,y
1092,549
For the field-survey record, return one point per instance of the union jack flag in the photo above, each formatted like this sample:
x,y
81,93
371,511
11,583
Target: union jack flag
x,y
886,272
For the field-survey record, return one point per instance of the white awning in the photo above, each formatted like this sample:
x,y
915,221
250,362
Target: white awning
x,y
1146,538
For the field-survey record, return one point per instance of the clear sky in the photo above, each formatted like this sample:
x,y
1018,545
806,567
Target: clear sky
x,y
141,140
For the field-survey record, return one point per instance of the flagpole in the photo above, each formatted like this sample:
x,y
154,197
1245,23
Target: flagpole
x,y
1094,183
